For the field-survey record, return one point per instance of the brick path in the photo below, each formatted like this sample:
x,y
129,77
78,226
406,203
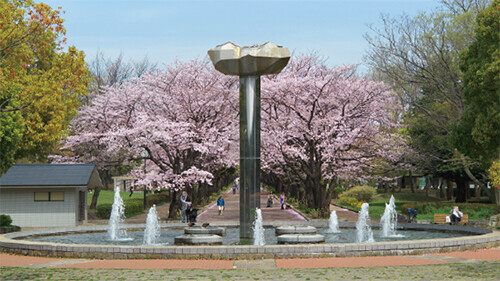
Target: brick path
x,y
466,257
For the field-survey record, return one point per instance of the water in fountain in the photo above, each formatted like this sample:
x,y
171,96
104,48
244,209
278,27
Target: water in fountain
x,y
363,230
389,220
115,229
258,229
333,223
152,231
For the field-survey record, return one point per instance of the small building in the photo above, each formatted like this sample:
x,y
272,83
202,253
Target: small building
x,y
47,195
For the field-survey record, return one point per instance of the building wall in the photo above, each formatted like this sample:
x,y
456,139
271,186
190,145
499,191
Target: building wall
x,y
21,206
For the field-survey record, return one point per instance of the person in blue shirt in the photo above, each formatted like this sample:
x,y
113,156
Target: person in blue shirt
x,y
220,204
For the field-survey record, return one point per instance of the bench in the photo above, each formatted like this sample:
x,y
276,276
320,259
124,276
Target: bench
x,y
441,218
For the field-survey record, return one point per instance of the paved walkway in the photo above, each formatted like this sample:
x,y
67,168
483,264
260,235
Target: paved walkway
x,y
232,210
465,257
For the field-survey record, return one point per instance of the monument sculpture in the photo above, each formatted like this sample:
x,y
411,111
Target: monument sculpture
x,y
249,63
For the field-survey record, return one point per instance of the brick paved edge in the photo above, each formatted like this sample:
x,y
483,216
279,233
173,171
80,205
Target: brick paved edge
x,y
483,238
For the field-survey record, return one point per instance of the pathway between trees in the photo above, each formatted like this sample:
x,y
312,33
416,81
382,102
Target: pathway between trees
x,y
232,210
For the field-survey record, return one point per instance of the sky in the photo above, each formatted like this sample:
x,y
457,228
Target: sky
x,y
165,30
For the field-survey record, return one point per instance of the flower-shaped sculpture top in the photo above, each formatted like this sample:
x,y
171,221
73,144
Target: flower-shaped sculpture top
x,y
262,59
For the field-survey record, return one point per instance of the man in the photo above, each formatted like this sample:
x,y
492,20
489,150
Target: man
x,y
185,204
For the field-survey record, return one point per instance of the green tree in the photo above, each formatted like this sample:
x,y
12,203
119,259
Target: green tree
x,y
478,133
40,82
420,57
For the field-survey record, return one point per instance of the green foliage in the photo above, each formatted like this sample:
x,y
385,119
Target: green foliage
x,y
361,193
474,210
40,83
5,220
478,135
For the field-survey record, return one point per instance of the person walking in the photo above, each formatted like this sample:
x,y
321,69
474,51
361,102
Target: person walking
x,y
270,200
220,204
282,200
185,204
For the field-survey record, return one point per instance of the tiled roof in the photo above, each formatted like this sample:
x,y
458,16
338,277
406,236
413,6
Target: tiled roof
x,y
48,175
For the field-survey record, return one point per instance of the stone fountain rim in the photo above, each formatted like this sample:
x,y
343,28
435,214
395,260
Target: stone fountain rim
x,y
483,238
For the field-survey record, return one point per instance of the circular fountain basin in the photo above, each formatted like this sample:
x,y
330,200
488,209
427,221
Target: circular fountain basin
x,y
475,239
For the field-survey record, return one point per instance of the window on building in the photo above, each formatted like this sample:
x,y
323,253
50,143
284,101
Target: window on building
x,y
49,196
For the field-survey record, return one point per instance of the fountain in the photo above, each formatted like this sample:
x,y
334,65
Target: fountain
x,y
152,231
258,229
389,220
115,227
363,230
333,223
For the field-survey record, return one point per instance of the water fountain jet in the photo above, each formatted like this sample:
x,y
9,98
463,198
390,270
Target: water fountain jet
x,y
116,231
152,231
363,230
258,229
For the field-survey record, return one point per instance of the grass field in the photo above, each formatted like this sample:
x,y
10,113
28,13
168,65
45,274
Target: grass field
x,y
107,196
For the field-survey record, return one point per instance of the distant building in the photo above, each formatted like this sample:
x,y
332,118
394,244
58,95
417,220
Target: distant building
x,y
47,195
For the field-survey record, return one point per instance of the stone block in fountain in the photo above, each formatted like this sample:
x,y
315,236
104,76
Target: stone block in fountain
x,y
197,235
205,230
198,239
298,235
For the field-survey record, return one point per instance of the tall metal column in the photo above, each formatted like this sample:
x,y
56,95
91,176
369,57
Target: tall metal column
x,y
249,63
249,153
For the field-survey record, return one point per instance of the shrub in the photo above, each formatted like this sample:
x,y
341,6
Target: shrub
x,y
5,220
349,201
361,193
133,207
336,192
104,211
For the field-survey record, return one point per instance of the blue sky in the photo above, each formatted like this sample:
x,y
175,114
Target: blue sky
x,y
165,30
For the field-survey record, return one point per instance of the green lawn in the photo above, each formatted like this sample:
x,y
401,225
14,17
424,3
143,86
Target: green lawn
x,y
476,211
107,196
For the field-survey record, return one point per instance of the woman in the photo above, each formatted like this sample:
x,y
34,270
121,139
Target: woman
x,y
282,200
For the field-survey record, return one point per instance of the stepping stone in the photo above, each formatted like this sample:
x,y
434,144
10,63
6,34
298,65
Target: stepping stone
x,y
300,238
198,239
209,230
295,230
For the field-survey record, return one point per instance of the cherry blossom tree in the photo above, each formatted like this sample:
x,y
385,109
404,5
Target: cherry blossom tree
x,y
321,123
185,117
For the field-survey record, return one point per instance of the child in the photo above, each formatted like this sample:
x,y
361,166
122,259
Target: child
x,y
220,204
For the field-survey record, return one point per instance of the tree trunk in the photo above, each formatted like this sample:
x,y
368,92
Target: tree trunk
x,y
174,205
441,188
477,190
95,196
449,190
412,183
461,190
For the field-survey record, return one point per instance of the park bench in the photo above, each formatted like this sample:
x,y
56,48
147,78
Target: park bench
x,y
441,218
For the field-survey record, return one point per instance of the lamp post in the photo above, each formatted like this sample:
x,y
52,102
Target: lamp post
x,y
249,63
144,155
